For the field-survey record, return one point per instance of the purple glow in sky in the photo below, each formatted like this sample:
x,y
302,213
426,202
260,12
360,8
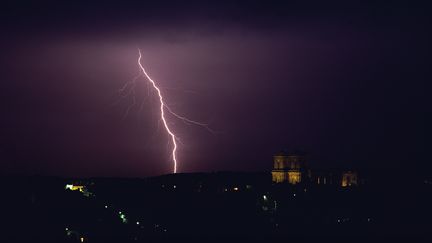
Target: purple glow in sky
x,y
342,82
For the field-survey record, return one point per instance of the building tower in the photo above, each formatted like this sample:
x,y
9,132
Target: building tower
x,y
288,167
349,178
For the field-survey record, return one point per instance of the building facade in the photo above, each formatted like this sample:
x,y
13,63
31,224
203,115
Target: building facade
x,y
289,167
349,178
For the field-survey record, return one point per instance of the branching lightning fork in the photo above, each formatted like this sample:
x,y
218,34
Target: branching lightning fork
x,y
162,110
129,89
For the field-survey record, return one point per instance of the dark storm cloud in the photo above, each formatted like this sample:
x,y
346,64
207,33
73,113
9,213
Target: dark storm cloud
x,y
342,81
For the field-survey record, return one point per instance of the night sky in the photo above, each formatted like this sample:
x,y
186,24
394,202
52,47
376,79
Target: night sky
x,y
342,81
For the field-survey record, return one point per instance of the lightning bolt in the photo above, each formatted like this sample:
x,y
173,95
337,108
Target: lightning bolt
x,y
129,90
162,112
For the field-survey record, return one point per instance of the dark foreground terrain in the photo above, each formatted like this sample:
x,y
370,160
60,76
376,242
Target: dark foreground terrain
x,y
213,207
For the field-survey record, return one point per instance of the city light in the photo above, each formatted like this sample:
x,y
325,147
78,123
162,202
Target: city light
x,y
73,187
123,218
324,101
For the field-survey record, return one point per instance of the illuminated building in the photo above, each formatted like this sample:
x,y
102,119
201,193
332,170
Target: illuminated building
x,y
289,167
292,168
349,178
321,177
74,187
80,188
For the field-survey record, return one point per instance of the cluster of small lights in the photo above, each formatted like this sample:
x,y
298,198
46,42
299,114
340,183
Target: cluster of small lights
x,y
121,214
343,220
159,227
71,232
123,217
79,188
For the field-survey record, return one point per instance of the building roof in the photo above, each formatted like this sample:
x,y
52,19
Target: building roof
x,y
286,152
